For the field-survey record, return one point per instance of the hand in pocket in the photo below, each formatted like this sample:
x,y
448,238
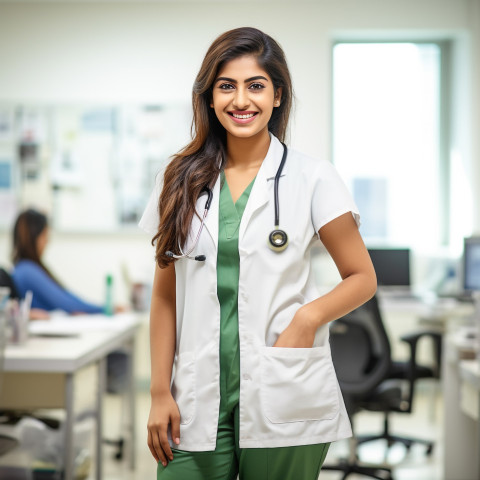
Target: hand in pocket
x,y
300,332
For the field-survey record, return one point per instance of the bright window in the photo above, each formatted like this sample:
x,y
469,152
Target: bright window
x,y
386,139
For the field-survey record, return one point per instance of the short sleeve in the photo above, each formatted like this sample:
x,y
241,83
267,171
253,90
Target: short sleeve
x,y
151,217
331,197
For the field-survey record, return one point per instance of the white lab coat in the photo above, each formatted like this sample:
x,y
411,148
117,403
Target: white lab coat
x,y
288,396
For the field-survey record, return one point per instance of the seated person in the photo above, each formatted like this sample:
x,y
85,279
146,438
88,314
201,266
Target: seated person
x,y
30,237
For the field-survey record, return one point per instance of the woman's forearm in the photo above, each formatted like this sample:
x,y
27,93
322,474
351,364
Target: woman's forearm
x,y
359,283
162,330
350,293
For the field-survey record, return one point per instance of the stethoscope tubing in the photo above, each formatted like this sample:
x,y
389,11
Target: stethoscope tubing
x,y
278,239
275,186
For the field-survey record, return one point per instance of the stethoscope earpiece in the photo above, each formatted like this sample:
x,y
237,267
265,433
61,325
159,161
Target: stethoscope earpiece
x,y
278,240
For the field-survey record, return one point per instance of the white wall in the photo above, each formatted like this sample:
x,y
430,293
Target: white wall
x,y
122,51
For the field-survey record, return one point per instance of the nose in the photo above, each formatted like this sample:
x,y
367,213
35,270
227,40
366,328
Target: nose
x,y
241,100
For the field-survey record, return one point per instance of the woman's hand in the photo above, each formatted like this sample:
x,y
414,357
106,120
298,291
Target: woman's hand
x,y
38,314
163,413
300,333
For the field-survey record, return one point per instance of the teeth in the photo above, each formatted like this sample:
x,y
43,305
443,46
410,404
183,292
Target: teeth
x,y
250,115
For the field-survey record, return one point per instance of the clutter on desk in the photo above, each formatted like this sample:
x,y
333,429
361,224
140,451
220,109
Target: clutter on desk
x,y
16,314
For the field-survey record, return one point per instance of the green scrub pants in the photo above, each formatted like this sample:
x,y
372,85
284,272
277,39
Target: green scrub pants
x,y
228,460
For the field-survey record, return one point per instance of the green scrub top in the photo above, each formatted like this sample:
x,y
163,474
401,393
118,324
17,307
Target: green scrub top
x,y
228,270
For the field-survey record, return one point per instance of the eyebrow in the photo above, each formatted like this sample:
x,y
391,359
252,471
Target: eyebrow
x,y
231,80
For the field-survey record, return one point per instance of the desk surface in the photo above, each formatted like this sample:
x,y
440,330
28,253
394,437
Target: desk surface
x,y
427,306
65,344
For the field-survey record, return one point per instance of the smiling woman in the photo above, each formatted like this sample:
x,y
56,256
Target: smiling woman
x,y
242,377
243,98
244,94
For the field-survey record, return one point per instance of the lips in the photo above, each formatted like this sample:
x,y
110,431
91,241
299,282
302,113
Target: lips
x,y
242,116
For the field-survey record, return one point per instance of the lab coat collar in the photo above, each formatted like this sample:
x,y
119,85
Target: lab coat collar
x,y
262,191
261,194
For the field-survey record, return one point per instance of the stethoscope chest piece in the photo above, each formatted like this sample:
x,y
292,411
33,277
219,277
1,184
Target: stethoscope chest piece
x,y
278,240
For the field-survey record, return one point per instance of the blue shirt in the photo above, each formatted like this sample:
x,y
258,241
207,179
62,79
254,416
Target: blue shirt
x,y
47,294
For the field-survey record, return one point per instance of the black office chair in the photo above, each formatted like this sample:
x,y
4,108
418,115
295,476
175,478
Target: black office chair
x,y
7,281
410,371
362,357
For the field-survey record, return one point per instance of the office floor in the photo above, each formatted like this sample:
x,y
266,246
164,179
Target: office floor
x,y
414,465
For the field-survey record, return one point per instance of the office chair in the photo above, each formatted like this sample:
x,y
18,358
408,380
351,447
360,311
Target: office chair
x,y
410,371
362,357
7,281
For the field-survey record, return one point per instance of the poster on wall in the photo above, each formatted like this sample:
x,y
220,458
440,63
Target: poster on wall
x,y
92,167
7,193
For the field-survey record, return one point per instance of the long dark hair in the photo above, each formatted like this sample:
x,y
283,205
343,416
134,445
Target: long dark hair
x,y
200,162
28,227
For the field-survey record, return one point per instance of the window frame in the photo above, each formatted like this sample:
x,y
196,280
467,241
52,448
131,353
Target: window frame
x,y
444,123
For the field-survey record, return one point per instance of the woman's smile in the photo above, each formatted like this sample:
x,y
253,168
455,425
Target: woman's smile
x,y
242,116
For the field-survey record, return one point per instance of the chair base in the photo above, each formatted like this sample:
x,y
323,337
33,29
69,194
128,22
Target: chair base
x,y
120,443
372,471
391,439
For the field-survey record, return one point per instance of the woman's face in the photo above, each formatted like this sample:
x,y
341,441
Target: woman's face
x,y
244,97
42,241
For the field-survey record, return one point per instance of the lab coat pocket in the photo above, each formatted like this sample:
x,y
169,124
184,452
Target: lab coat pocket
x,y
183,386
298,384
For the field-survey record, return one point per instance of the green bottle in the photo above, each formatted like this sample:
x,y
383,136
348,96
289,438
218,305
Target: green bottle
x,y
109,295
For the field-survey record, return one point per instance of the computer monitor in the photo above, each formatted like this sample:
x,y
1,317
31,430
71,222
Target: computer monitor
x,y
471,264
392,266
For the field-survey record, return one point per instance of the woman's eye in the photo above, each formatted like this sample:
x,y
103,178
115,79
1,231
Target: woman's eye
x,y
256,86
226,86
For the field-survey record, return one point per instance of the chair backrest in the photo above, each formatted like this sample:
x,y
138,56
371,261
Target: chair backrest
x,y
7,281
360,349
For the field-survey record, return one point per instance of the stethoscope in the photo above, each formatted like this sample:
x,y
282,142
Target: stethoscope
x,y
277,240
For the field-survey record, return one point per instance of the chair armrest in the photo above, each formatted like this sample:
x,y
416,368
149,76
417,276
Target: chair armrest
x,y
412,340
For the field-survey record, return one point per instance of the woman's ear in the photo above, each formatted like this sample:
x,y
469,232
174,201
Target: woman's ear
x,y
278,97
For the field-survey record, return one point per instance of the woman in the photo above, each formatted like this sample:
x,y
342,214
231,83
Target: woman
x,y
30,237
254,392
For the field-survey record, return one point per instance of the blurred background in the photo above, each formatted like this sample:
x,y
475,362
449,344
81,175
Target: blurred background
x,y
95,97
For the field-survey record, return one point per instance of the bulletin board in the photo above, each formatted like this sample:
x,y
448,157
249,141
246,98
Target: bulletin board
x,y
91,168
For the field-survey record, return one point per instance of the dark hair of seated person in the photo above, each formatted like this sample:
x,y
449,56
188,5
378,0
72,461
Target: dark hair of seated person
x,y
30,224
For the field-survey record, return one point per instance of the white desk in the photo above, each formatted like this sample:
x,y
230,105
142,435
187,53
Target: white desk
x,y
404,316
62,347
461,428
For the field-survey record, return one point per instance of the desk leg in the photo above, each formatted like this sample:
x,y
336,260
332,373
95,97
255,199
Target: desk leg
x,y
131,392
101,386
68,457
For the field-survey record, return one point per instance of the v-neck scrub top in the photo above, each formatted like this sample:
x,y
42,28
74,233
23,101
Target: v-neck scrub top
x,y
228,270
287,396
